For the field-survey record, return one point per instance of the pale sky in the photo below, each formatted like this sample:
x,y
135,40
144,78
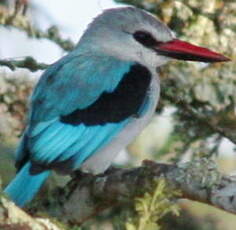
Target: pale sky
x,y
71,17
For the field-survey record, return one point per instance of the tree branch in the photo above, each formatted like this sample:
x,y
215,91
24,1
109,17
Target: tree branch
x,y
86,196
52,34
12,217
201,117
28,63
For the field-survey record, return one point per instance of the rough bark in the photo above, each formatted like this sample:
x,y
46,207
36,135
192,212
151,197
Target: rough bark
x,y
13,218
86,196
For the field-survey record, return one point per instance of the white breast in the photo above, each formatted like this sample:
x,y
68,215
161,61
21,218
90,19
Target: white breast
x,y
101,160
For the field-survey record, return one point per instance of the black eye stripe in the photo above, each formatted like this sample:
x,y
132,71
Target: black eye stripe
x,y
145,38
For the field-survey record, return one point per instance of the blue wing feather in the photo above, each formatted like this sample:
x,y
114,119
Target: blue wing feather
x,y
40,127
71,142
75,83
104,135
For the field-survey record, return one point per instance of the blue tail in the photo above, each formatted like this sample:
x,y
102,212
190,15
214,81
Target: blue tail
x,y
24,186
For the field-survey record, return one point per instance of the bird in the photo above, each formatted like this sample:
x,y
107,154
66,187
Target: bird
x,y
94,101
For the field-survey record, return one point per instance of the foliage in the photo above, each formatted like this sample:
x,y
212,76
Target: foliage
x,y
14,91
153,206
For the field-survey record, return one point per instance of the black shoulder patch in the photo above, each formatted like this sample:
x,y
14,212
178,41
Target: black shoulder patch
x,y
123,102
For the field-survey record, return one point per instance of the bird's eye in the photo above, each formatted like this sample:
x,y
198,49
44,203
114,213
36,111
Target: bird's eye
x,y
145,38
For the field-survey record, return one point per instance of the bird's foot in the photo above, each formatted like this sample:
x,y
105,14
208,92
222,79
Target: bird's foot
x,y
110,170
78,174
148,163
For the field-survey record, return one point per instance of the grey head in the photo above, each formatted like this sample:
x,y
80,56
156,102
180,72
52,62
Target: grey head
x,y
125,33
132,34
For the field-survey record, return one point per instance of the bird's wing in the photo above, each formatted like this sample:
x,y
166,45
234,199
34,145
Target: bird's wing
x,y
65,146
78,108
75,82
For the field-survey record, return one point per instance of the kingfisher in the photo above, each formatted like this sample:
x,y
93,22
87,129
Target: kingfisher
x,y
94,101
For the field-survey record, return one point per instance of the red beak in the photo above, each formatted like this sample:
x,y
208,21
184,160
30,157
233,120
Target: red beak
x,y
185,51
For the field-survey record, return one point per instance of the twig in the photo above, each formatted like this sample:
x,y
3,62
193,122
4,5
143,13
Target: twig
x,y
29,63
200,117
53,34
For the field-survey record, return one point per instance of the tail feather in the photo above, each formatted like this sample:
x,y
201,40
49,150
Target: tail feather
x,y
24,186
